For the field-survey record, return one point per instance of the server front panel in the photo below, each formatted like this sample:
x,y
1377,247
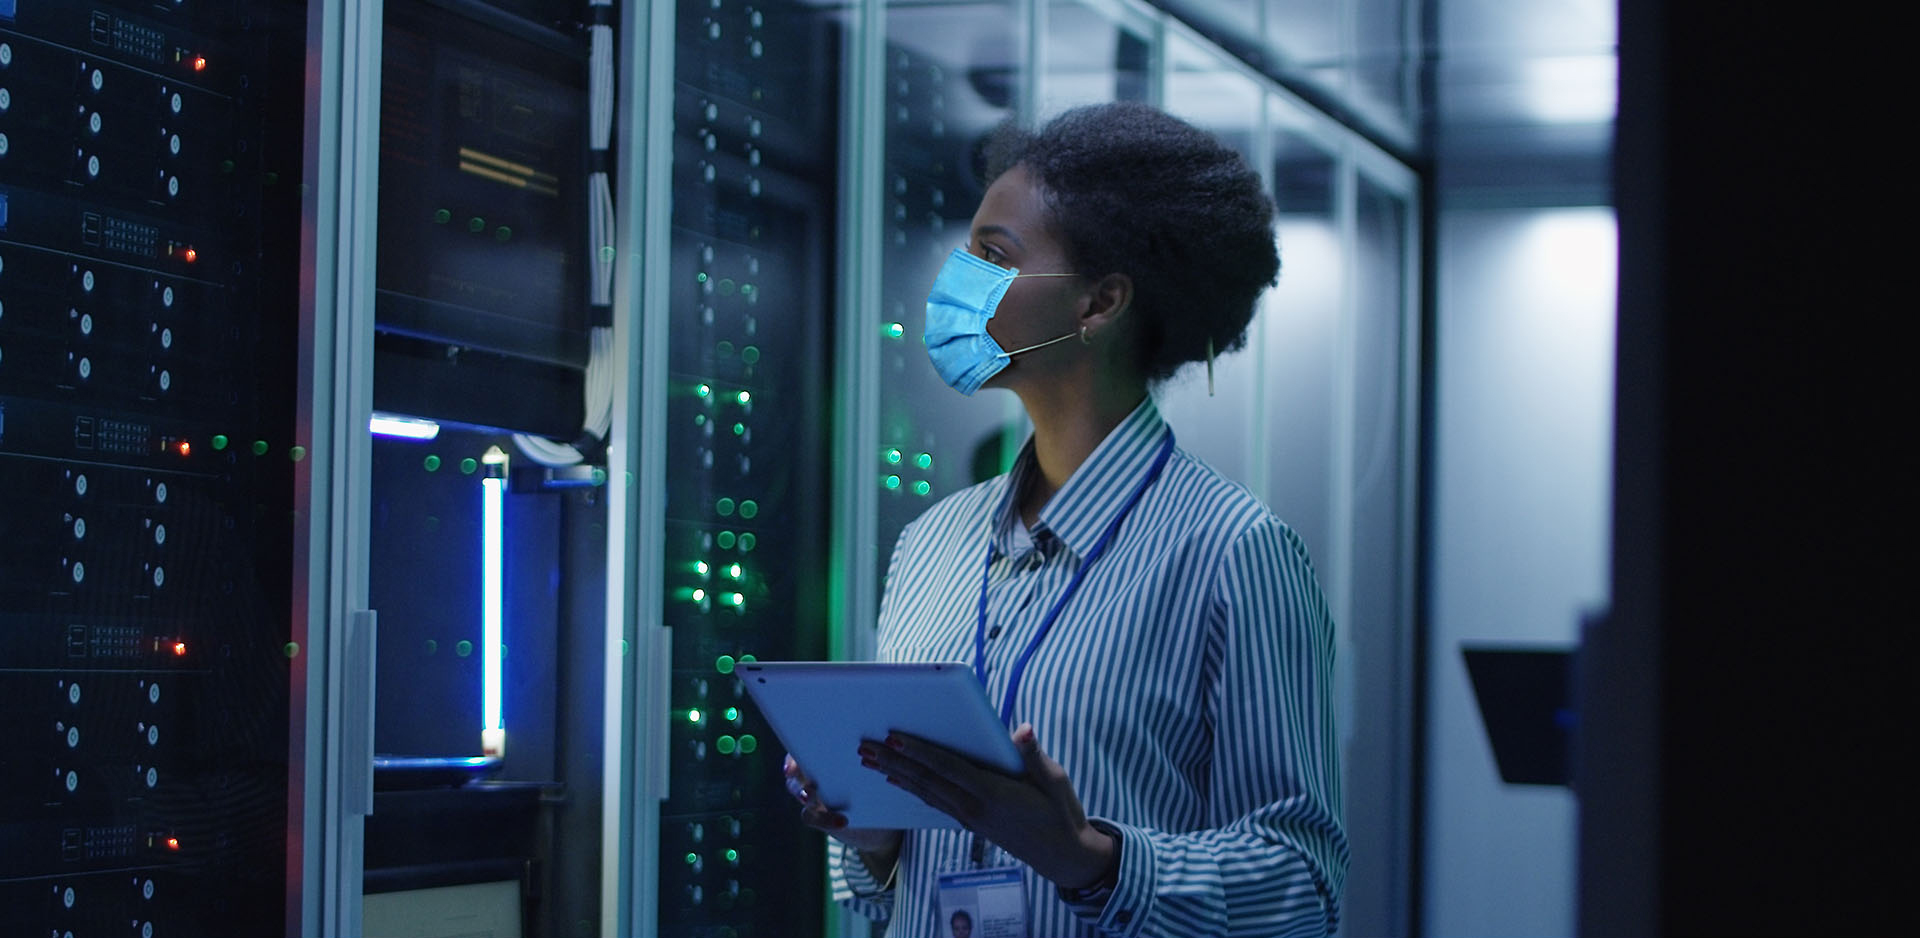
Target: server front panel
x,y
149,177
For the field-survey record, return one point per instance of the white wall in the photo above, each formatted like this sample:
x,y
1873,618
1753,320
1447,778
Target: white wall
x,y
1520,521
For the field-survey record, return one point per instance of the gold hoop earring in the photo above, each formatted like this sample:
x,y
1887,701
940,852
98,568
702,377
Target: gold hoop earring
x,y
1084,339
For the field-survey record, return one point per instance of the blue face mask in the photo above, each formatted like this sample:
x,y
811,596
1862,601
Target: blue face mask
x,y
963,298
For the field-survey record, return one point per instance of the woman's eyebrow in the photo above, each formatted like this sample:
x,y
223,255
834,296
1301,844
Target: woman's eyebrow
x,y
1000,230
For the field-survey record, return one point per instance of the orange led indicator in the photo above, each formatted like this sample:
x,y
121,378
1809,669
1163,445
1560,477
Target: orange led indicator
x,y
179,648
199,63
191,255
186,448
173,843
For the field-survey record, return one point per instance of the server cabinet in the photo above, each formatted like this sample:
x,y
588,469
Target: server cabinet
x,y
747,389
150,171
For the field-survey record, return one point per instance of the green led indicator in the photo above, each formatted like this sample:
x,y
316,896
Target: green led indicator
x,y
725,540
724,507
598,475
725,348
701,276
733,856
748,744
476,224
692,859
739,429
704,391
259,447
432,463
699,420
297,453
463,649
736,600
749,508
750,354
892,482
606,254
697,595
723,664
226,166
693,716
291,649
747,659
733,713
895,330
744,397
433,647
733,570
725,744
468,465
893,457
219,441
921,487
700,567
503,234
747,541
442,217
924,460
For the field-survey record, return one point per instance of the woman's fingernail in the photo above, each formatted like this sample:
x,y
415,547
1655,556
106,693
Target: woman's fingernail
x,y
896,742
869,763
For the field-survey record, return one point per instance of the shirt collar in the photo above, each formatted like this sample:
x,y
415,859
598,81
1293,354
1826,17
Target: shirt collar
x,y
1096,491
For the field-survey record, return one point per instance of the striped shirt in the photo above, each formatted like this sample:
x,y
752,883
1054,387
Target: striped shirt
x,y
1186,688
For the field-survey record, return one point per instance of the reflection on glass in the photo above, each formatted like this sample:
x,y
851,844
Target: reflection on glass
x,y
1091,59
953,72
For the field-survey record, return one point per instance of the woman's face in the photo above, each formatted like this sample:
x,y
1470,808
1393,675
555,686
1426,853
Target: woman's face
x,y
1010,229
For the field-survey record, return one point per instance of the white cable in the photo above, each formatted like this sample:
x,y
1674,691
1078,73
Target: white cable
x,y
600,237
598,416
600,87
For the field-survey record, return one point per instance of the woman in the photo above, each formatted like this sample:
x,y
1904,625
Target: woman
x,y
1147,620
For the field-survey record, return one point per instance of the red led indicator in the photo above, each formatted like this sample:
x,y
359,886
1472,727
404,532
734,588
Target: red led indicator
x,y
173,843
199,63
179,648
191,255
186,448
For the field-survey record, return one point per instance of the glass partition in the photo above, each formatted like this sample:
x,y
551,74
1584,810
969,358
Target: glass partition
x,y
953,71
1217,423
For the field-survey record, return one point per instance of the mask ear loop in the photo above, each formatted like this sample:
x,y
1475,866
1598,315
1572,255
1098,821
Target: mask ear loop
x,y
1209,367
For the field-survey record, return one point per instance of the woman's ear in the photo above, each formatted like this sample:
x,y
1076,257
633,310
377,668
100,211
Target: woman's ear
x,y
1109,299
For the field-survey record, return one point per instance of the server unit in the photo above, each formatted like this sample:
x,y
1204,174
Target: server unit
x,y
149,179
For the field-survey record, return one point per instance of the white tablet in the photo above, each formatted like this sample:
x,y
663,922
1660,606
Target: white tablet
x,y
821,710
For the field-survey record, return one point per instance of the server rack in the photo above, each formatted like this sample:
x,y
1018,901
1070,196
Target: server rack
x,y
149,316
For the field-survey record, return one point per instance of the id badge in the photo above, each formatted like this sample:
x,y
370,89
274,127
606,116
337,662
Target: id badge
x,y
983,904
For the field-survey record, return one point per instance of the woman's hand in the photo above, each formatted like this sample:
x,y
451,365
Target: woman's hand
x,y
1037,818
880,846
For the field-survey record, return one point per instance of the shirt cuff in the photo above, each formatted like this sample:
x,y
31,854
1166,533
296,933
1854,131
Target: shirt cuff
x,y
1122,912
851,878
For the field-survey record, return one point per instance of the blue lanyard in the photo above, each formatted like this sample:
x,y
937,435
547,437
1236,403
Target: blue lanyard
x,y
1073,585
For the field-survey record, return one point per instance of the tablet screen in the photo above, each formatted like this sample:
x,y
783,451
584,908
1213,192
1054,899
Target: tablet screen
x,y
821,710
